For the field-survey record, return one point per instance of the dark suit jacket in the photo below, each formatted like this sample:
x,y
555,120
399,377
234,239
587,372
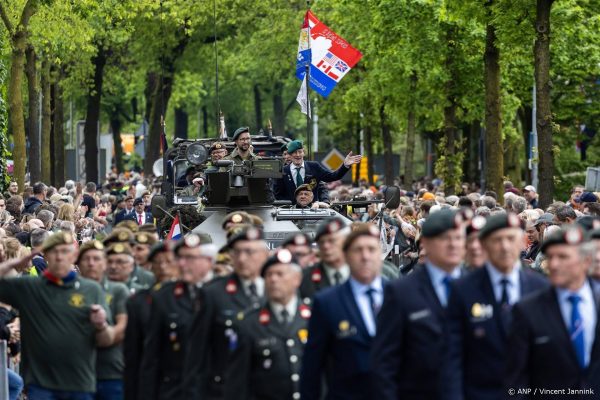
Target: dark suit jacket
x,y
138,314
149,219
407,353
314,279
338,345
540,352
477,345
285,187
123,215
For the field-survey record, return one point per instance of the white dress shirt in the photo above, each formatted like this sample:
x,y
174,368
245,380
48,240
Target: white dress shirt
x,y
364,303
514,283
437,276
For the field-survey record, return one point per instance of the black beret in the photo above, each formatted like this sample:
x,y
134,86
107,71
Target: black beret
x,y
282,256
239,131
500,221
362,229
298,239
440,222
249,233
160,247
192,240
138,201
331,225
594,233
216,146
476,224
570,234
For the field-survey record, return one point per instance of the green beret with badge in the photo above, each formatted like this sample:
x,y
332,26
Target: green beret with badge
x,y
216,146
294,145
573,235
89,245
360,230
282,256
119,235
144,238
500,221
239,131
237,217
303,188
441,222
119,248
247,234
57,239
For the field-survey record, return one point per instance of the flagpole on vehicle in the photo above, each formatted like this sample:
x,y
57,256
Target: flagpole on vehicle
x,y
307,81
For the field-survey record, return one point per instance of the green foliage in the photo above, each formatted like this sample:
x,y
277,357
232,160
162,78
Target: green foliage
x,y
4,152
448,167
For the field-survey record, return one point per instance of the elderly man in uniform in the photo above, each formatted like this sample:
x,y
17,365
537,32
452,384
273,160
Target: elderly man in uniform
x,y
299,244
300,172
479,312
63,320
343,324
305,198
332,269
266,361
109,363
408,351
217,152
214,332
142,243
172,311
121,263
554,341
165,269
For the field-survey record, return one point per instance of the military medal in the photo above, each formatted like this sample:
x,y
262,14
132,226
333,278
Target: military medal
x,y
178,290
304,311
303,335
264,317
231,287
267,363
344,325
316,276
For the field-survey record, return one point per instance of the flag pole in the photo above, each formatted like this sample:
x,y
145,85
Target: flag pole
x,y
309,155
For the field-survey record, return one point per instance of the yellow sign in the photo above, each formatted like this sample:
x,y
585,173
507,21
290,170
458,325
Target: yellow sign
x,y
333,160
76,300
363,170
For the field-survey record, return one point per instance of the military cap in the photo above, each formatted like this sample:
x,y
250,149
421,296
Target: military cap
x,y
89,245
331,225
249,233
216,146
476,224
302,188
237,217
297,239
294,145
57,239
148,228
283,147
281,256
500,221
239,131
192,240
137,201
128,224
571,234
119,248
256,221
118,235
360,230
160,247
144,238
440,222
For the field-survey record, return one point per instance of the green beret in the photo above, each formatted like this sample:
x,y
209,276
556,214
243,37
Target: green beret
x,y
192,240
329,226
302,188
440,222
572,235
144,238
293,146
119,235
362,229
500,221
160,247
239,131
57,239
248,233
283,147
119,248
282,256
89,245
216,146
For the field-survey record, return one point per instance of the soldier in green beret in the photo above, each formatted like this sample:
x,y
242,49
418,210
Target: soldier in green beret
x,y
63,320
121,266
242,151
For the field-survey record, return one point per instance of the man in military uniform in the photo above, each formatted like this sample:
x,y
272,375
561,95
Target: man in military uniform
x,y
284,154
343,324
408,352
173,308
63,319
300,172
122,268
554,341
304,198
109,363
214,332
142,242
217,151
242,151
479,312
236,218
299,245
165,269
332,269
266,361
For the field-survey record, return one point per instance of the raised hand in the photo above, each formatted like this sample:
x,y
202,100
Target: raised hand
x,y
352,159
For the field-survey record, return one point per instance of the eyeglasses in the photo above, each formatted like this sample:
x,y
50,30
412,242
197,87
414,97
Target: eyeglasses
x,y
244,139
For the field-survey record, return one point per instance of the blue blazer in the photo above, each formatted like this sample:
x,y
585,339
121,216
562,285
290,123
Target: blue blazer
x,y
408,351
285,187
124,216
478,345
338,345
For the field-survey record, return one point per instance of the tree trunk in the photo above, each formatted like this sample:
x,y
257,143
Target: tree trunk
x,y
33,120
46,122
387,147
410,134
205,121
90,130
472,170
369,151
494,150
258,107
160,101
58,134
544,115
524,115
149,91
278,110
115,127
181,123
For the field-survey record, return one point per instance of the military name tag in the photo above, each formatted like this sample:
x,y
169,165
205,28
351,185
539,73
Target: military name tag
x,y
419,314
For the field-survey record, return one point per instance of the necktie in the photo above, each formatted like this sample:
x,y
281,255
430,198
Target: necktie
x,y
576,330
253,292
299,180
285,317
446,281
337,277
140,219
504,301
374,307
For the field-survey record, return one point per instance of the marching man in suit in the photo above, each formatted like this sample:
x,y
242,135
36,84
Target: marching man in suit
x,y
342,326
313,173
408,351
554,343
479,312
